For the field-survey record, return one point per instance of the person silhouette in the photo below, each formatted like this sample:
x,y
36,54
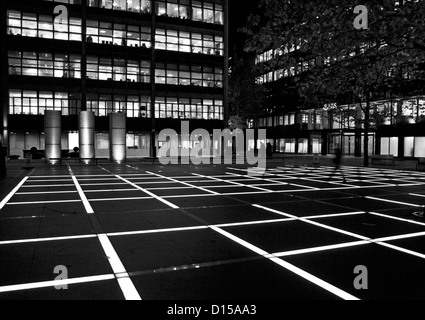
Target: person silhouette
x,y
338,162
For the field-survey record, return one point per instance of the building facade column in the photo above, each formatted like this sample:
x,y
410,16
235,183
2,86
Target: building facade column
x,y
52,131
87,138
118,137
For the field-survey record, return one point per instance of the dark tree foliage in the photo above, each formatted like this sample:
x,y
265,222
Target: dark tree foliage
x,y
349,63
246,97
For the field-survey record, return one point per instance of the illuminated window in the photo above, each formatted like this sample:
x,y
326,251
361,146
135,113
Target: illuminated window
x,y
33,25
118,69
26,102
174,40
201,11
44,64
134,106
185,108
138,6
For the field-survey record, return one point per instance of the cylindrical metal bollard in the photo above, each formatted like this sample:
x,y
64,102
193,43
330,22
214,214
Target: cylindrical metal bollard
x,y
52,131
118,136
87,127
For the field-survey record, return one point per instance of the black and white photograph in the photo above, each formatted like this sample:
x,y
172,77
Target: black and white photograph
x,y
212,155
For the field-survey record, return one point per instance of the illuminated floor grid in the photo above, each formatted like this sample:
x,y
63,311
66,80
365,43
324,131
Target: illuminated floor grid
x,y
173,233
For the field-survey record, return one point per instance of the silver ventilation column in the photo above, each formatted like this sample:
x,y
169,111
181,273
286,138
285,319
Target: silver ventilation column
x,y
52,131
87,128
118,137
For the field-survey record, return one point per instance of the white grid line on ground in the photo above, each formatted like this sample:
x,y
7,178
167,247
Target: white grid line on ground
x,y
42,202
184,183
12,193
395,202
301,273
58,283
44,192
173,206
123,279
235,183
342,231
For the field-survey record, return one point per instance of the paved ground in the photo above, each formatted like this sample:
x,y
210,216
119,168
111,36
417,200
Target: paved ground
x,y
185,232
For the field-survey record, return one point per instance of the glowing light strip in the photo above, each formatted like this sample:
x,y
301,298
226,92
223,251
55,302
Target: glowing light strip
x,y
402,237
136,233
48,284
52,180
120,199
41,202
83,197
413,253
2,243
236,183
336,215
184,183
417,195
303,274
12,193
48,185
103,184
312,222
241,224
65,176
124,281
396,202
322,248
396,218
108,190
349,233
146,191
259,179
45,192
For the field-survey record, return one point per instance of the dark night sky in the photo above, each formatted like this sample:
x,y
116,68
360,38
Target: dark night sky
x,y
239,12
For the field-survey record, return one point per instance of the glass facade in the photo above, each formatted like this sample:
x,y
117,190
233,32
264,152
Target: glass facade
x,y
42,26
181,41
138,6
112,58
133,106
118,69
185,108
44,64
186,75
28,102
118,34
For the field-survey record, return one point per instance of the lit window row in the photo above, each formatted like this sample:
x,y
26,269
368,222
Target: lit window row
x,y
173,40
200,11
42,26
66,1
138,6
26,102
181,108
133,106
185,75
118,34
44,64
271,54
287,72
118,69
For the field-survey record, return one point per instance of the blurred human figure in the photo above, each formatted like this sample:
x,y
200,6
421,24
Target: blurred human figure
x,y
269,150
338,162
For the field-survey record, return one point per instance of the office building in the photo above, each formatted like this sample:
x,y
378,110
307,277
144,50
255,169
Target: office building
x,y
154,62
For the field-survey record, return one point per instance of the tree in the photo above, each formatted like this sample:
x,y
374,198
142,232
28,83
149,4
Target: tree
x,y
246,97
341,62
